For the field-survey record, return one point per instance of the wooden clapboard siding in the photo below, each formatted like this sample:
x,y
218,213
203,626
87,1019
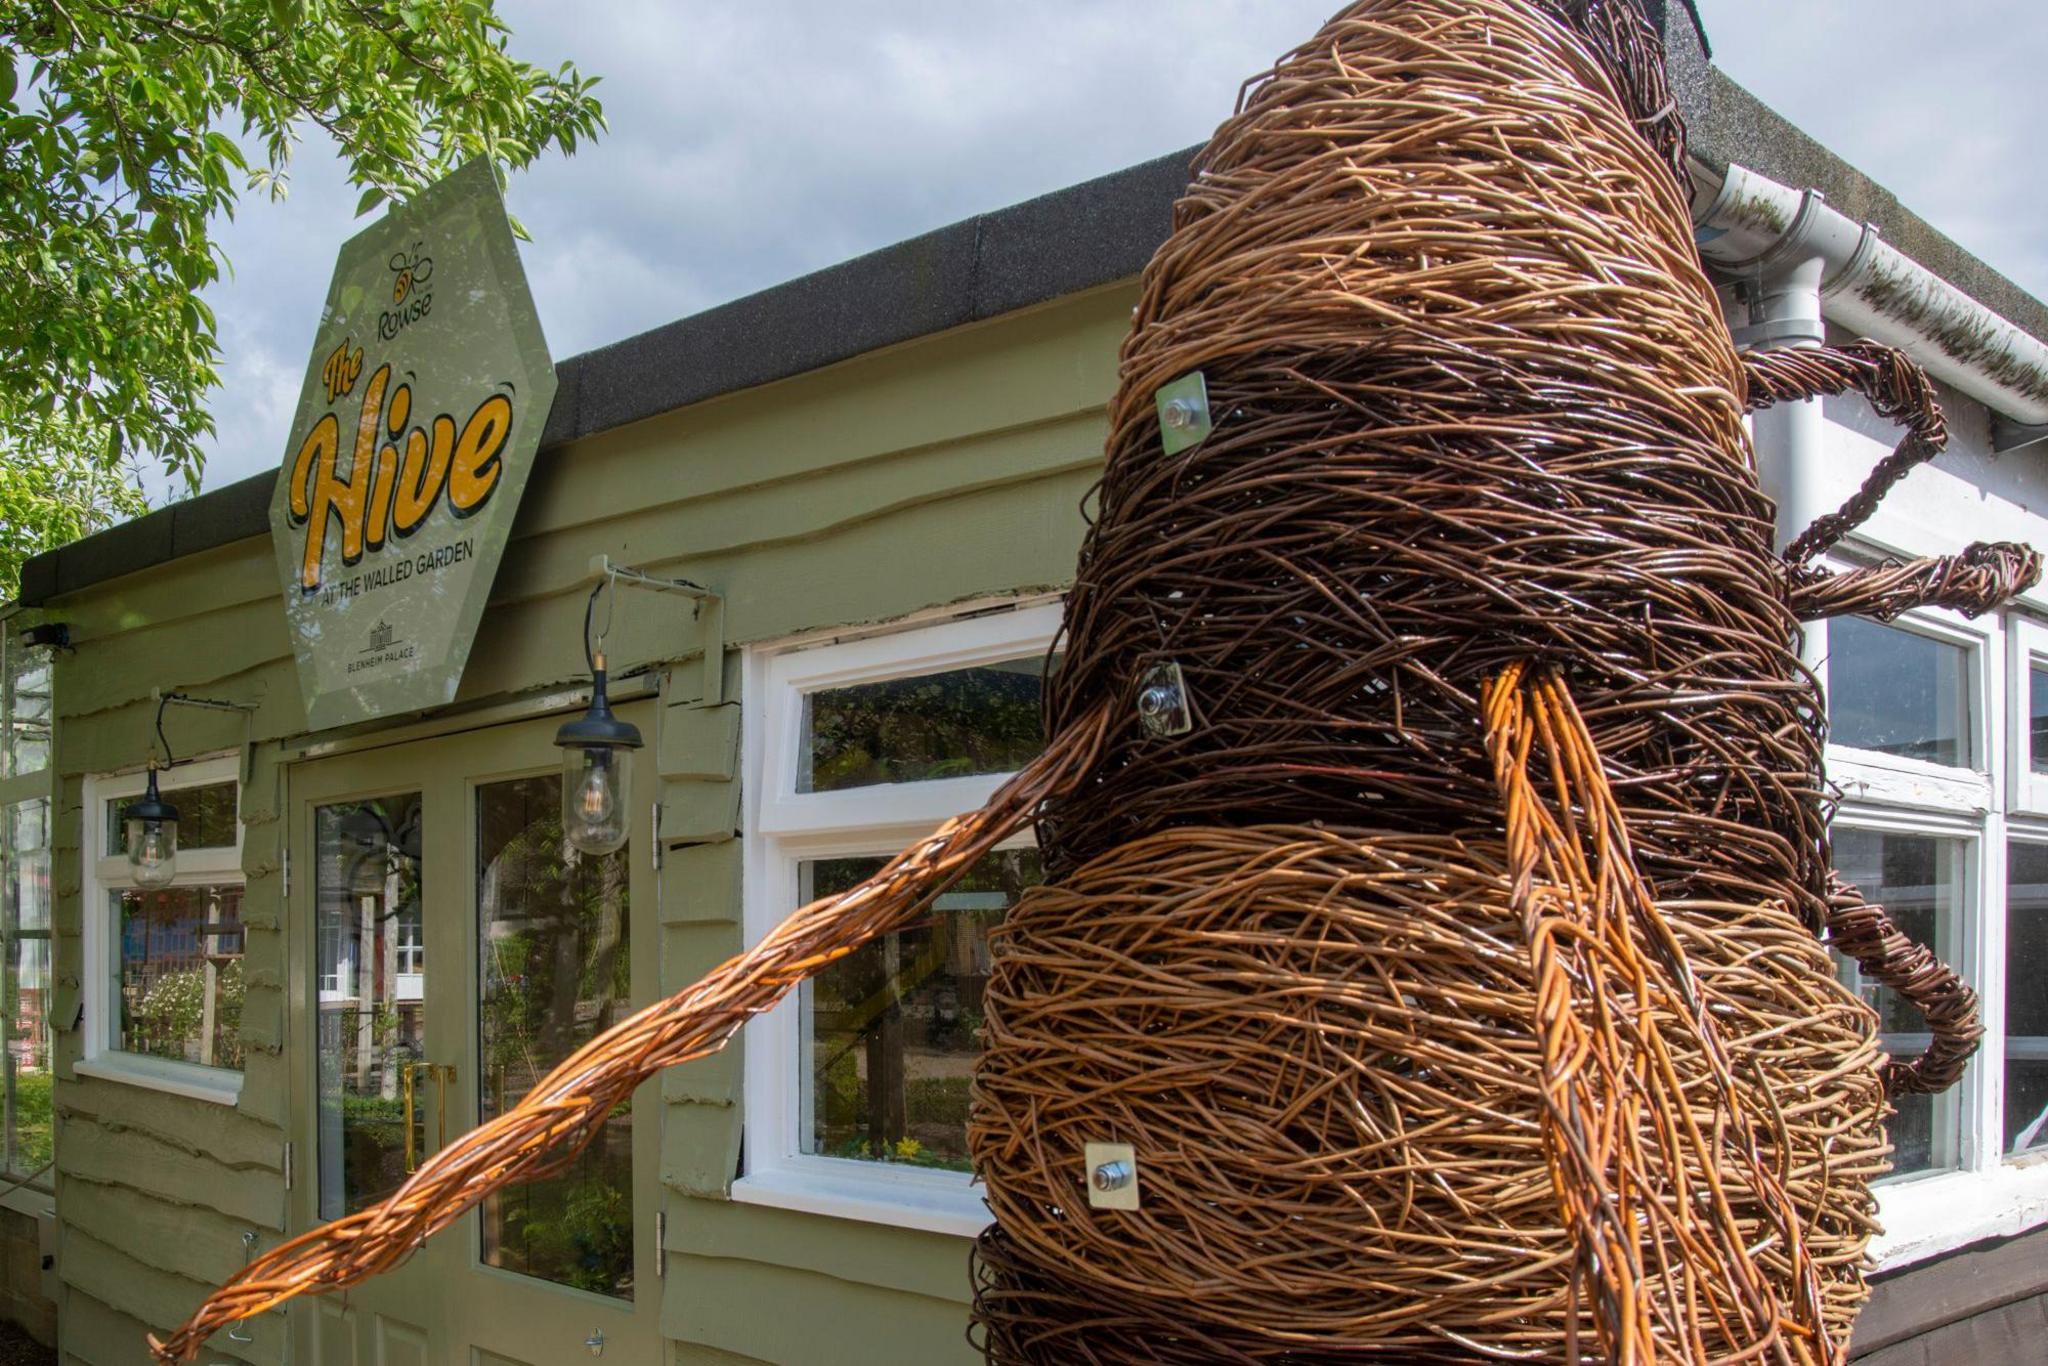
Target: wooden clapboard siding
x,y
800,1318
933,472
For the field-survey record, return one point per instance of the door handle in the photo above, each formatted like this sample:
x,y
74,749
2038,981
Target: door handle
x,y
408,1085
440,1074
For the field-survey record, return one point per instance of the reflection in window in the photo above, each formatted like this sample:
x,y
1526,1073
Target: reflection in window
x,y
181,973
25,930
890,1033
367,887
556,972
2037,718
25,1123
1916,879
24,709
1898,693
2026,997
206,817
956,724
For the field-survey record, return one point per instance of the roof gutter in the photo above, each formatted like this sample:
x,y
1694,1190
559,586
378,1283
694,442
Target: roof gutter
x,y
1757,230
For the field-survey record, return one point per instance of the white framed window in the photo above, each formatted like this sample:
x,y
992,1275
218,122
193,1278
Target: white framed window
x,y
857,1084
163,967
1929,723
1912,710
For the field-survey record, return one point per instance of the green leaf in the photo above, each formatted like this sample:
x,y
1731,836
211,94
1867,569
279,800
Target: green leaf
x,y
131,150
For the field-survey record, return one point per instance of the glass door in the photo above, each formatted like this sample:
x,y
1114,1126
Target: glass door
x,y
371,1097
556,971
459,880
370,965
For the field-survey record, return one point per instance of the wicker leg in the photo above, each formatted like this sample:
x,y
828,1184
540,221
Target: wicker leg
x,y
559,1116
1893,382
1981,579
1895,385
1867,934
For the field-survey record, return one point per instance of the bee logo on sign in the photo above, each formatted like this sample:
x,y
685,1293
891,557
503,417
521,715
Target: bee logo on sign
x,y
416,428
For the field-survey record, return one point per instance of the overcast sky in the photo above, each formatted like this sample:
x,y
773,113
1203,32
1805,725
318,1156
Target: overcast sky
x,y
753,142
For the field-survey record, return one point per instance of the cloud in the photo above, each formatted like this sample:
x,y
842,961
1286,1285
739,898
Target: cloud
x,y
1938,103
751,144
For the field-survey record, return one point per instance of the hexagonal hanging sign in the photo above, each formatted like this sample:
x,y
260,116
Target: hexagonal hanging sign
x,y
421,413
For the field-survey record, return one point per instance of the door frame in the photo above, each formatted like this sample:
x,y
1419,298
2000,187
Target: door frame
x,y
477,1312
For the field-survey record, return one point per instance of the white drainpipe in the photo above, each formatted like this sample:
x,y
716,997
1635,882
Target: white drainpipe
x,y
1784,309
1752,227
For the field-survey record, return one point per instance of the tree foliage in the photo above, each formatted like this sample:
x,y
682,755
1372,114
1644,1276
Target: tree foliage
x,y
54,488
127,130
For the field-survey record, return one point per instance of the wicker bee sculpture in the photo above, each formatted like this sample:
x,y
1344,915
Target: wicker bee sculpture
x,y
1449,946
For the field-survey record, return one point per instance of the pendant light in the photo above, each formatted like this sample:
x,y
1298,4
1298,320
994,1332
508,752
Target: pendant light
x,y
152,829
597,758
151,823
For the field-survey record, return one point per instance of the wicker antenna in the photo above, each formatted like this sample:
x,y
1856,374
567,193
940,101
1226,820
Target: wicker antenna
x,y
548,1130
1452,959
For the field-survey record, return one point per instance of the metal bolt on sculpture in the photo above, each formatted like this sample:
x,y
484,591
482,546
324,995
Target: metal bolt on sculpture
x,y
1453,962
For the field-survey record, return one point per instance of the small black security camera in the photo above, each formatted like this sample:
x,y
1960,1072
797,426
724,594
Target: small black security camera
x,y
55,634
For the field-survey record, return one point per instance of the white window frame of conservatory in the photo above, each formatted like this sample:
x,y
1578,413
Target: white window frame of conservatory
x,y
783,827
104,872
1985,1196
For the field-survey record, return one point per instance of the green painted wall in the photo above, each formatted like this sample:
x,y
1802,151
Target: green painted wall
x,y
938,471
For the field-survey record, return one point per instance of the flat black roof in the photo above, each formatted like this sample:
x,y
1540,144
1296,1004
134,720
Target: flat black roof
x,y
1090,234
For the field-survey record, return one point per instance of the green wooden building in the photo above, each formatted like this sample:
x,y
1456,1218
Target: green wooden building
x,y
375,937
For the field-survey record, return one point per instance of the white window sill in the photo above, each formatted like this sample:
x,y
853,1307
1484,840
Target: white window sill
x,y
1926,1218
215,1085
903,1199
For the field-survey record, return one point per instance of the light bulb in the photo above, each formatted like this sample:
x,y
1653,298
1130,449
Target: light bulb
x,y
597,800
152,851
593,812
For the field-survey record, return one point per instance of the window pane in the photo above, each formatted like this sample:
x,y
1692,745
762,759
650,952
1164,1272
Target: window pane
x,y
2026,997
2037,714
181,973
556,972
1915,878
28,836
25,747
890,1033
25,917
1898,693
206,817
946,725
372,991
